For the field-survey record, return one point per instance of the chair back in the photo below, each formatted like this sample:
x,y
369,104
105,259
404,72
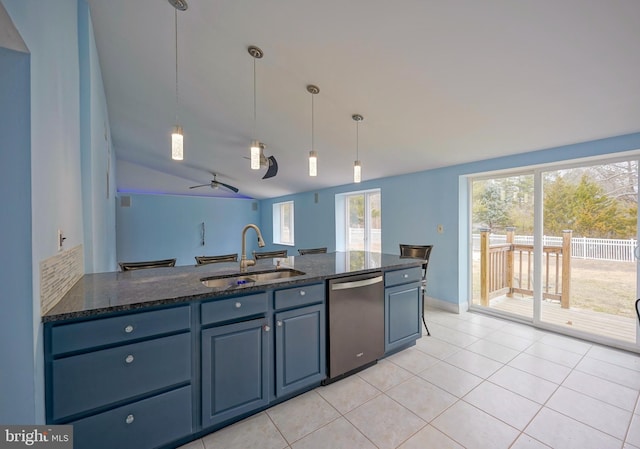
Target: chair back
x,y
417,252
129,266
269,254
312,251
638,308
202,260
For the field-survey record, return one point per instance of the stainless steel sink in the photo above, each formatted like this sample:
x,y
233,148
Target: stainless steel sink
x,y
234,280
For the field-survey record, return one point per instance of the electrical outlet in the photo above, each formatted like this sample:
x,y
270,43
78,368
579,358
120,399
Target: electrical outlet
x,y
440,229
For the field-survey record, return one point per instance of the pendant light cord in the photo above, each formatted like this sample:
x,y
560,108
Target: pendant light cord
x,y
312,95
357,140
254,98
176,35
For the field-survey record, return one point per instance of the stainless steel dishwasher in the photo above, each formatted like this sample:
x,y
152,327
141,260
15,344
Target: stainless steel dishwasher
x,y
355,323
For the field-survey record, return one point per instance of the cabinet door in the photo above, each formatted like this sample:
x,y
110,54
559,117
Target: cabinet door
x,y
403,309
235,370
300,348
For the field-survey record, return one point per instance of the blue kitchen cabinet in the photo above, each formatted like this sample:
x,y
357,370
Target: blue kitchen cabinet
x,y
402,308
121,381
235,348
300,355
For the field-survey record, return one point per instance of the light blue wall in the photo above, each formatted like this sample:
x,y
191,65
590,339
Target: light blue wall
x,y
51,32
16,306
98,157
413,205
166,226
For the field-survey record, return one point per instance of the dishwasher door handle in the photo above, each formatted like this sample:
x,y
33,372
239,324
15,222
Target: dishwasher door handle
x,y
356,284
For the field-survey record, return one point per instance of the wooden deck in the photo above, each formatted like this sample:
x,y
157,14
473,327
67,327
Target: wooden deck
x,y
612,326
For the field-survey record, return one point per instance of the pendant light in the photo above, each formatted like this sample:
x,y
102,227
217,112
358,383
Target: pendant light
x,y
177,136
357,167
255,53
313,154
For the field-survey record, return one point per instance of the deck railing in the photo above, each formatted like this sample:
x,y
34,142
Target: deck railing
x,y
506,268
619,250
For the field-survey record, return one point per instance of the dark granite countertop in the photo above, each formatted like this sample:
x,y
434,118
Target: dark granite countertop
x,y
102,293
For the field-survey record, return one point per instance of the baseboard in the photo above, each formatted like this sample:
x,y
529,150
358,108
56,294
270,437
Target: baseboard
x,y
446,305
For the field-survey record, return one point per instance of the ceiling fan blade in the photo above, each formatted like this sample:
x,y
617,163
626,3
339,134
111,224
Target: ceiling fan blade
x,y
233,189
202,185
273,168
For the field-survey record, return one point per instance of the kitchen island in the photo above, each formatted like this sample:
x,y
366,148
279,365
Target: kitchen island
x,y
155,358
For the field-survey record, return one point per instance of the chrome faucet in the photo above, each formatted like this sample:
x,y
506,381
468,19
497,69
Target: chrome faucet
x,y
244,262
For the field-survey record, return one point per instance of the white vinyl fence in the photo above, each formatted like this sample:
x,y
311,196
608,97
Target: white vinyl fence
x,y
581,247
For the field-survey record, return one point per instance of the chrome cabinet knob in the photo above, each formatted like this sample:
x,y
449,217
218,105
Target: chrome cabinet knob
x,y
405,275
129,419
279,323
266,328
238,304
128,329
302,293
129,359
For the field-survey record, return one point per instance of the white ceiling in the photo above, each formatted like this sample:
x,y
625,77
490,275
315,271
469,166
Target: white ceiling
x,y
438,83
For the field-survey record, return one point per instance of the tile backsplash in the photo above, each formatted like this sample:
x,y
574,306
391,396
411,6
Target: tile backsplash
x,y
58,274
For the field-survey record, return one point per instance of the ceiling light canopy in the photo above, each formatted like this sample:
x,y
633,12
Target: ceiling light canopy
x,y
357,167
177,136
313,154
256,53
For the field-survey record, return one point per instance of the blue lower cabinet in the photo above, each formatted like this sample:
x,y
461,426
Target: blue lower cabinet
x,y
145,424
235,370
403,309
300,348
96,379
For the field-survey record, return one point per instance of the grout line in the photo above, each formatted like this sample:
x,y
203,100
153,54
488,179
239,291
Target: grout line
x,y
633,415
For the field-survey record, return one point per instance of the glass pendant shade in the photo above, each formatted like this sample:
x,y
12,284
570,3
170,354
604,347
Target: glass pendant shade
x,y
357,171
255,155
177,144
313,163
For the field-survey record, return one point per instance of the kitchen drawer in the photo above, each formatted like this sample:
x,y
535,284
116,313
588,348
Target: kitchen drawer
x,y
233,308
120,329
299,296
398,277
84,382
145,424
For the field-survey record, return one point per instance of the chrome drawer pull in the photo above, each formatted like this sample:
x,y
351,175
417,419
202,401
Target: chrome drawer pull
x,y
302,293
238,305
129,419
128,329
129,359
279,323
405,275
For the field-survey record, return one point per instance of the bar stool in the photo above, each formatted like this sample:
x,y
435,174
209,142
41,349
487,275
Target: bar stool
x,y
269,254
129,266
202,260
312,251
419,252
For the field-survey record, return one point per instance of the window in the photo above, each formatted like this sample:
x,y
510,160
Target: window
x,y
358,221
283,223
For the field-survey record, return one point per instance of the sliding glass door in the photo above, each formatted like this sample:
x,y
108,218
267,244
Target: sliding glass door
x,y
558,247
590,235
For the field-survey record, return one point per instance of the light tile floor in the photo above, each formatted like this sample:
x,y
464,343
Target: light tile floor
x,y
478,383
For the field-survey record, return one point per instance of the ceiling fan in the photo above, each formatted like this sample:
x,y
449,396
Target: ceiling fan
x,y
214,184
